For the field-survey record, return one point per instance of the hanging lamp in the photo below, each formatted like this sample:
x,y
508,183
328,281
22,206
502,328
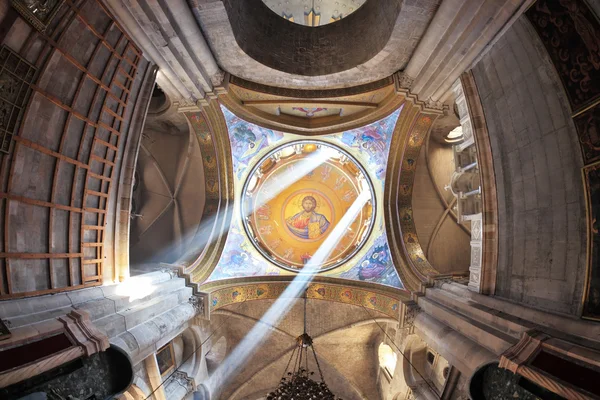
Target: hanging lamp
x,y
296,382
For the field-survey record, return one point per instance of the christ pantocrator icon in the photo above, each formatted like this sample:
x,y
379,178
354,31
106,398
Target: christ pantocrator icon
x,y
308,224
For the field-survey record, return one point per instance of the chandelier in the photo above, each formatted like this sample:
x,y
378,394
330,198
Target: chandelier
x,y
296,382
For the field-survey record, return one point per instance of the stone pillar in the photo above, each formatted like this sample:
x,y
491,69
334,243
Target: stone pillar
x,y
424,392
460,351
201,393
509,317
154,376
179,385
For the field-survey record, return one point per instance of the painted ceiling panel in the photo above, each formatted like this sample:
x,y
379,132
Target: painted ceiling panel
x,y
369,145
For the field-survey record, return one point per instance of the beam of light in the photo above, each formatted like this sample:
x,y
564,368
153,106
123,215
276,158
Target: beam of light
x,y
260,331
136,288
302,168
199,239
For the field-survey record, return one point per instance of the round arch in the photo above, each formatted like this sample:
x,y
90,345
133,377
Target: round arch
x,y
323,50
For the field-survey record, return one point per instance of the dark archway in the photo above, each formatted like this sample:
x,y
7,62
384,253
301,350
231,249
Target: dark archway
x,y
312,51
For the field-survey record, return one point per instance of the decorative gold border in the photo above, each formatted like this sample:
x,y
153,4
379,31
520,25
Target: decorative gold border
x,y
306,127
416,257
377,300
210,129
32,19
402,294
588,219
411,132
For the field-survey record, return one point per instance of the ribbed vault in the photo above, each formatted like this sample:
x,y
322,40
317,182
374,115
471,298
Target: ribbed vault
x,y
346,339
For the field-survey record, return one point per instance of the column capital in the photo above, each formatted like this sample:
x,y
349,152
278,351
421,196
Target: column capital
x,y
409,313
184,380
199,301
201,393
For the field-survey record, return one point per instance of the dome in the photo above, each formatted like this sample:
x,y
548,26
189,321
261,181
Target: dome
x,y
295,197
313,12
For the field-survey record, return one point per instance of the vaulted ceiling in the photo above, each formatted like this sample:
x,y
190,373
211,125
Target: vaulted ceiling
x,y
346,338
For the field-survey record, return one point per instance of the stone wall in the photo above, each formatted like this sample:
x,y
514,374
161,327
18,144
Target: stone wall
x,y
537,161
59,177
309,51
219,29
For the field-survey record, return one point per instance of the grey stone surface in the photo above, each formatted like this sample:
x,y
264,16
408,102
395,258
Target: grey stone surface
x,y
409,27
537,161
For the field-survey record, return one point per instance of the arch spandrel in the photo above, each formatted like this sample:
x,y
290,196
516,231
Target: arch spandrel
x,y
385,300
410,134
311,112
207,243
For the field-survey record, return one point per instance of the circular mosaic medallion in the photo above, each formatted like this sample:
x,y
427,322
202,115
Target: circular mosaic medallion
x,y
301,193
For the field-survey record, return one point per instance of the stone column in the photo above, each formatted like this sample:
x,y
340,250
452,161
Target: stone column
x,y
509,317
460,351
201,393
154,376
424,392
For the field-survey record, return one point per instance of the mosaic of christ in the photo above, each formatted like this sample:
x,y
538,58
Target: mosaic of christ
x,y
308,224
294,205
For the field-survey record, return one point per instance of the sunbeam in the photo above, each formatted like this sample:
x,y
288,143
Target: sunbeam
x,y
249,344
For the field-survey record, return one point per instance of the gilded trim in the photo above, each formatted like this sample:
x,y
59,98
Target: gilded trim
x,y
211,131
408,255
341,291
317,126
30,17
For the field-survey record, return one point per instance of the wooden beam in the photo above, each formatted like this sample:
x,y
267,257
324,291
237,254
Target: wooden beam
x,y
93,228
102,160
99,177
31,256
90,244
34,202
106,144
42,149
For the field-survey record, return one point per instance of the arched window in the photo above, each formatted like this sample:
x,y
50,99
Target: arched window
x,y
430,357
387,358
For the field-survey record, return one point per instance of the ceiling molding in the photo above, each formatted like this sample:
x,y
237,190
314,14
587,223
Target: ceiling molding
x,y
390,291
356,295
358,106
489,195
206,244
287,352
411,262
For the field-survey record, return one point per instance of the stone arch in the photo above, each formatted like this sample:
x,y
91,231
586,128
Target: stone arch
x,y
134,392
159,102
216,355
354,40
387,358
189,363
415,352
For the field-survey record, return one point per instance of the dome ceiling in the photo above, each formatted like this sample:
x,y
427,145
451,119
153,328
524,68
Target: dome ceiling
x,y
313,12
273,240
289,223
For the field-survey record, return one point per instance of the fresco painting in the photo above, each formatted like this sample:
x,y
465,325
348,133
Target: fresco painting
x,y
250,143
247,140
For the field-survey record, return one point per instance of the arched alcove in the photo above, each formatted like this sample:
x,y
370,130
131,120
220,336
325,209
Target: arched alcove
x,y
159,102
387,358
216,354
169,190
323,50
